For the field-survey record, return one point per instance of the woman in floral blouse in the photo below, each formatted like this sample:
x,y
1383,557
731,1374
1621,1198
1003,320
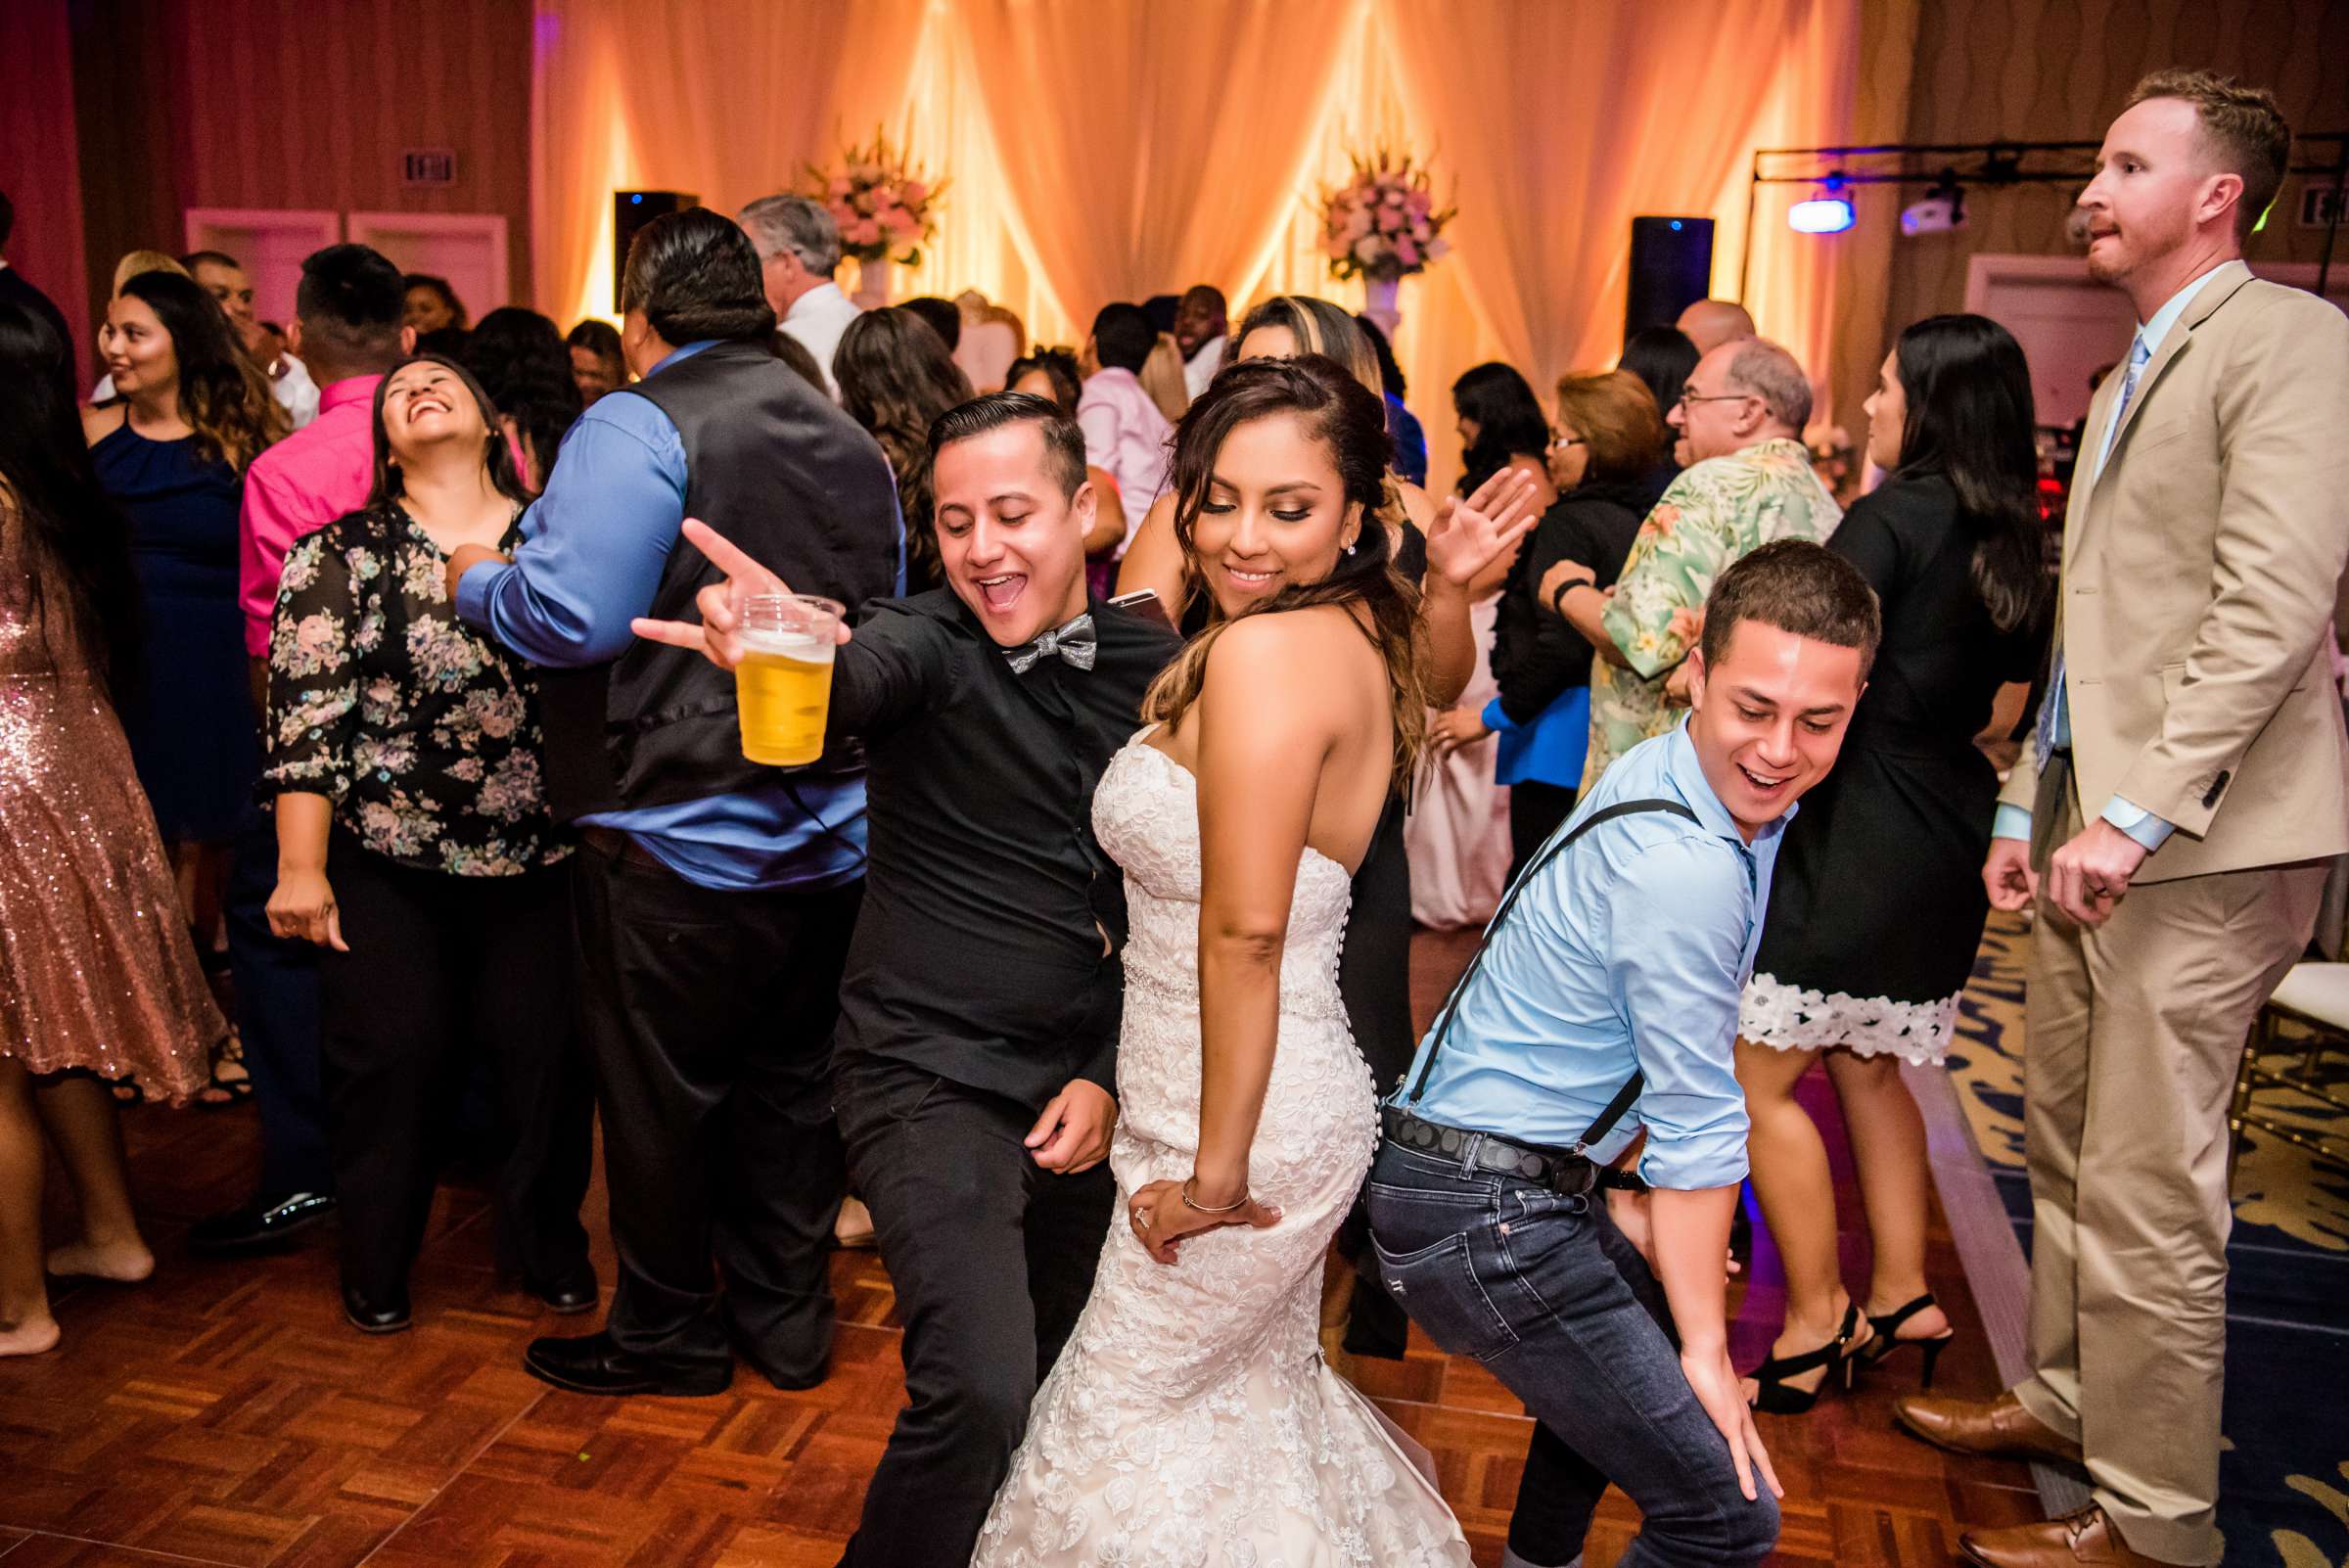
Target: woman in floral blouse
x,y
404,756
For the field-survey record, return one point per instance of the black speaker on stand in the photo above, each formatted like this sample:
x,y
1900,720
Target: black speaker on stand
x,y
1672,268
632,210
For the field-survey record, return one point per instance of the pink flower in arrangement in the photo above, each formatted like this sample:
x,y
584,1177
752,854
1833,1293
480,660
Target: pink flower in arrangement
x,y
839,186
1419,203
864,231
1406,251
1370,251
914,193
1390,220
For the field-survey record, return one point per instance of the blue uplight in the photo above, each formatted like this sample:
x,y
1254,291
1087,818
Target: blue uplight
x,y
636,199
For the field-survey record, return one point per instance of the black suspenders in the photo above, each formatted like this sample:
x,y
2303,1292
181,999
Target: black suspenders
x,y
1624,1096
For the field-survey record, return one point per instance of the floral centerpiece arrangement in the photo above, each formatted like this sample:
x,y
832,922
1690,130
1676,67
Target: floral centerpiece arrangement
x,y
885,205
1383,223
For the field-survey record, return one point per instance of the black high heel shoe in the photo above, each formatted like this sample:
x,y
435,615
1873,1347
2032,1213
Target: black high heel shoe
x,y
1773,1395
1886,1337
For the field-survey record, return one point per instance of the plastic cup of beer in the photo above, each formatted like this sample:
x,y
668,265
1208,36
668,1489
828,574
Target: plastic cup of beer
x,y
783,686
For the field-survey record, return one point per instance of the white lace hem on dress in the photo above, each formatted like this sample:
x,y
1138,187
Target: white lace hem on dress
x,y
1790,1017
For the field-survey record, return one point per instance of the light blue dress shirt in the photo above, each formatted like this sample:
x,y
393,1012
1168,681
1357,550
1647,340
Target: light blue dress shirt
x,y
1626,954
2150,831
594,548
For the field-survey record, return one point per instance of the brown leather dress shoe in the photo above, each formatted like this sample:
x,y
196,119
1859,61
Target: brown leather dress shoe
x,y
2085,1538
2000,1427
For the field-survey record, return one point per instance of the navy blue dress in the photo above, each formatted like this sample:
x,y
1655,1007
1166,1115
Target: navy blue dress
x,y
193,736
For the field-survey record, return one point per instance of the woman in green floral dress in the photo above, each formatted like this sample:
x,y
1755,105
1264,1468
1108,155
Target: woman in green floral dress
x,y
404,756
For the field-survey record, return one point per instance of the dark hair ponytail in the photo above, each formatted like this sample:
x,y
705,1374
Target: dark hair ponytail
x,y
1971,422
1351,420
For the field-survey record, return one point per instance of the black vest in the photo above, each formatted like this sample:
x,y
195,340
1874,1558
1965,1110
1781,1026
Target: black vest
x,y
772,464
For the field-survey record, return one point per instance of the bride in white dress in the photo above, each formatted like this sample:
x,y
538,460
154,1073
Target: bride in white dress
x,y
1191,1421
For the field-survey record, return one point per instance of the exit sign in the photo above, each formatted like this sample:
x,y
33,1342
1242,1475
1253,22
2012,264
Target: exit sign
x,y
2317,204
427,165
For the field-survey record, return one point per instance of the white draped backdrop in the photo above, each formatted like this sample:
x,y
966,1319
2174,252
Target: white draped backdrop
x,y
1113,149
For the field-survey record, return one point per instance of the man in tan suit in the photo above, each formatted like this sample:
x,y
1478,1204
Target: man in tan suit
x,y
2185,784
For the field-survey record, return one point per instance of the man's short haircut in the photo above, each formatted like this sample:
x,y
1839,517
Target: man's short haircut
x,y
209,259
1123,337
1769,372
2242,126
1800,587
794,223
695,275
1064,441
943,315
350,300
1208,294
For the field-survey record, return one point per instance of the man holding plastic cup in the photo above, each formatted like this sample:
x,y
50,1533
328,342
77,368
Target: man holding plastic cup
x,y
974,1064
717,892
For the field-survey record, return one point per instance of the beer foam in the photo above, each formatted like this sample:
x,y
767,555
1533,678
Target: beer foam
x,y
788,643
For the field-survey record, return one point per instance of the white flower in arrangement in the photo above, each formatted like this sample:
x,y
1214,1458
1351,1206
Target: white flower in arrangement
x,y
1383,223
884,204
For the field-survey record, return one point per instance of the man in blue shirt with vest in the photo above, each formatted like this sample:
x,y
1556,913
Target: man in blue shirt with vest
x,y
715,895
1603,1006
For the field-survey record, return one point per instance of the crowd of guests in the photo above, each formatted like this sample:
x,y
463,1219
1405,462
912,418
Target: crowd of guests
x,y
367,652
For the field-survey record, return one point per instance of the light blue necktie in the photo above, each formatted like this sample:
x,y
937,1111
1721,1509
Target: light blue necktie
x,y
2055,729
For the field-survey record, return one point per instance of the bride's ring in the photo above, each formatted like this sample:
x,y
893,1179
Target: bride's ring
x,y
1140,1215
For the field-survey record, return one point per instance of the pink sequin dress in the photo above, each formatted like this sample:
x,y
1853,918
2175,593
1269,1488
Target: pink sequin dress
x,y
95,970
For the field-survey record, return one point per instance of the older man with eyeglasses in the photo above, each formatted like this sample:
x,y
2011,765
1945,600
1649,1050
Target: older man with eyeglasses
x,y
1740,419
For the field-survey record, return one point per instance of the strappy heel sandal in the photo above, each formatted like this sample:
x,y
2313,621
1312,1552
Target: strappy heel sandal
x,y
1886,1337
1774,1395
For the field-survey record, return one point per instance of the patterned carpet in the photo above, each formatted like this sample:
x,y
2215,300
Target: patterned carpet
x,y
2284,1475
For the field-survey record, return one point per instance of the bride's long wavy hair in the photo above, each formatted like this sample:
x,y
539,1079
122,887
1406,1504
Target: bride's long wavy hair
x,y
1352,422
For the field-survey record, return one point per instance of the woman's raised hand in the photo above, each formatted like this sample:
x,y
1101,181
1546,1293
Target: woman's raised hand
x,y
721,604
1470,536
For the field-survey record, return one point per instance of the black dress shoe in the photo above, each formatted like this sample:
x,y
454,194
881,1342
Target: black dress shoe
x,y
387,1316
593,1364
574,1292
259,1223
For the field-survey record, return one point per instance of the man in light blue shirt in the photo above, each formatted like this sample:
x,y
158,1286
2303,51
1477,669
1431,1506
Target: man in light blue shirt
x,y
1603,1005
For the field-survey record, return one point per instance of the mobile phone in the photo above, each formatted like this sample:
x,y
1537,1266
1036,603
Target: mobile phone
x,y
1143,602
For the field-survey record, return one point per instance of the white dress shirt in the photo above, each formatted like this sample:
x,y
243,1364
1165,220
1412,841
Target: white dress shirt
x,y
816,319
1201,367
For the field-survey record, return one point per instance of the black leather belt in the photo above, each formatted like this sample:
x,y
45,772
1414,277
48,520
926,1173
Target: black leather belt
x,y
614,845
1567,1174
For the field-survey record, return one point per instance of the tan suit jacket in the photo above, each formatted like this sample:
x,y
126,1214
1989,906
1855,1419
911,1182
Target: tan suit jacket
x,y
2201,564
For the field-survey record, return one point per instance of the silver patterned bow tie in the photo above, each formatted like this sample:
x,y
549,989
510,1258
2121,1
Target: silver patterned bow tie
x,y
1074,642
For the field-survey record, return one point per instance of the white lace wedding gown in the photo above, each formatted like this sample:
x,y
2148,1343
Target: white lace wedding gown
x,y
1191,1422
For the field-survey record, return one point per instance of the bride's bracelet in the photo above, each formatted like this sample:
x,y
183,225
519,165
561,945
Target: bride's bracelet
x,y
1194,1203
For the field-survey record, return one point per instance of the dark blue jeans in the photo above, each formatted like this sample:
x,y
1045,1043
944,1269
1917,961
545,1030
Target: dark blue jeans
x,y
277,1018
1548,1294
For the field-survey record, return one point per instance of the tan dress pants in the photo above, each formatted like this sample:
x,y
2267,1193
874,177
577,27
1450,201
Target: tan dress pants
x,y
2133,1033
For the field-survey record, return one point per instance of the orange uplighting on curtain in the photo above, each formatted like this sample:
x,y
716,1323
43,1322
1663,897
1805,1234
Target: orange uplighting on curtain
x,y
1120,147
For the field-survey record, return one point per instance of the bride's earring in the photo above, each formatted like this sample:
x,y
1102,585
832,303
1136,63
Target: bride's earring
x,y
1350,547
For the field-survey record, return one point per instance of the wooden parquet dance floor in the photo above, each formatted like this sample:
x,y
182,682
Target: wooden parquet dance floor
x,y
224,1413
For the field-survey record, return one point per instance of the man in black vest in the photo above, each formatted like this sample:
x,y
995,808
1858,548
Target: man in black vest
x,y
977,1049
715,895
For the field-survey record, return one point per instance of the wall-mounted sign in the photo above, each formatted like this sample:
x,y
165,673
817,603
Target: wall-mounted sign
x,y
2317,201
427,165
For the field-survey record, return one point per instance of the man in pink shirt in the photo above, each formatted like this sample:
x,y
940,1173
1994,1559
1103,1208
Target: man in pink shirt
x,y
346,328
1124,434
